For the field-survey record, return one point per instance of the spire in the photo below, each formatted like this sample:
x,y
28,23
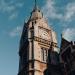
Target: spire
x,y
35,4
36,13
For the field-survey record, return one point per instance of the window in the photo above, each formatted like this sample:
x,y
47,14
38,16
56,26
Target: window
x,y
44,54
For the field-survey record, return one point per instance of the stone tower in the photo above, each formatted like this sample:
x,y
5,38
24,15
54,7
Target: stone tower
x,y
35,42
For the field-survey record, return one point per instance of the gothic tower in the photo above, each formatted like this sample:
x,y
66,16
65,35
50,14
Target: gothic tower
x,y
35,42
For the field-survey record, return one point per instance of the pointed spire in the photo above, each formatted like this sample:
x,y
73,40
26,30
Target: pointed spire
x,y
35,4
36,13
35,7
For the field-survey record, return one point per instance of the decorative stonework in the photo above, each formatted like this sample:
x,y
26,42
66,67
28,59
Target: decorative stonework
x,y
36,41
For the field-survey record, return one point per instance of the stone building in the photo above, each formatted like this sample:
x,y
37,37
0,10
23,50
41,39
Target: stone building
x,y
54,67
67,53
39,52
35,44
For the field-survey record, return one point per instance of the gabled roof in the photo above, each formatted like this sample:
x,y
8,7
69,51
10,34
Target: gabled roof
x,y
64,43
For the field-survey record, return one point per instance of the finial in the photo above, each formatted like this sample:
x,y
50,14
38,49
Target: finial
x,y
35,3
36,7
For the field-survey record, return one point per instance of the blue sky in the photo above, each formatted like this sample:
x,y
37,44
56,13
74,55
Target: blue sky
x,y
59,13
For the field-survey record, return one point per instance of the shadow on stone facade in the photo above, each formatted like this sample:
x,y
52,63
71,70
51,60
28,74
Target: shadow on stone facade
x,y
62,63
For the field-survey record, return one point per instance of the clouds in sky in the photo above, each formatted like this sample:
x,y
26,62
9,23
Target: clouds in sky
x,y
10,7
69,34
70,11
13,16
51,11
15,31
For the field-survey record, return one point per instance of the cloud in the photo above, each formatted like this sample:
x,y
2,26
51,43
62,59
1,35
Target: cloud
x,y
69,34
13,16
69,11
6,7
15,32
10,7
50,11
19,4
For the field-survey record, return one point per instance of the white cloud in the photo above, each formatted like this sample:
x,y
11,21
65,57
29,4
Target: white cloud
x,y
10,8
50,10
16,31
13,16
19,4
69,11
69,34
6,7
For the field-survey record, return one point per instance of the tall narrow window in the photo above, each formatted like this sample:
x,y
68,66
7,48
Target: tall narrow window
x,y
44,54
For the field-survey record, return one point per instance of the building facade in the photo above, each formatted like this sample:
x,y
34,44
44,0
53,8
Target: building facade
x,y
67,54
39,52
35,45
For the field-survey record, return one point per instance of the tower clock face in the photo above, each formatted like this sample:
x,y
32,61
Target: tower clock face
x,y
44,34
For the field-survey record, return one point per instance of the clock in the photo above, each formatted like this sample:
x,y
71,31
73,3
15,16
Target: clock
x,y
44,34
